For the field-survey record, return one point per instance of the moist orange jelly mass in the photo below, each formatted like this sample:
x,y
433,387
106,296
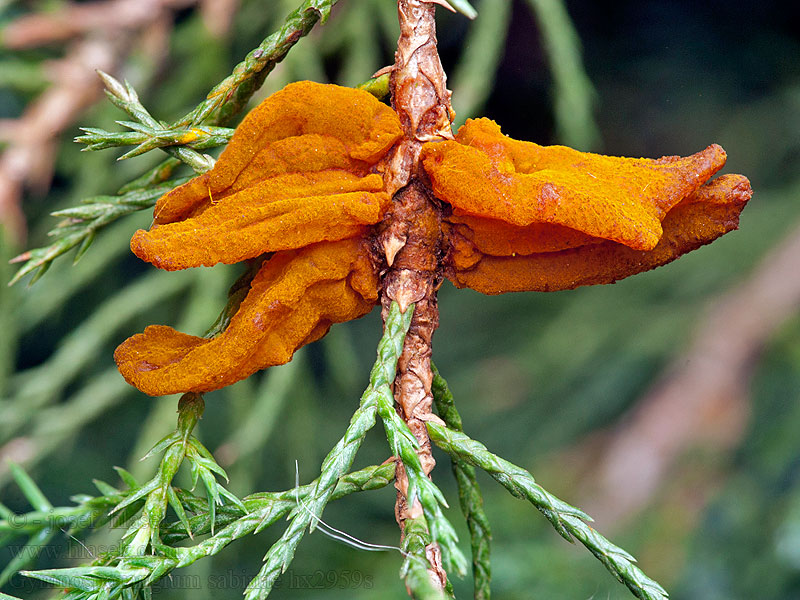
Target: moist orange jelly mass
x,y
302,180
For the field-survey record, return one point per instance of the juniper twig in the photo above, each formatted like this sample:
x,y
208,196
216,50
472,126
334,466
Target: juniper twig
x,y
157,134
147,137
231,95
126,576
340,457
199,129
420,487
81,223
568,521
469,493
416,542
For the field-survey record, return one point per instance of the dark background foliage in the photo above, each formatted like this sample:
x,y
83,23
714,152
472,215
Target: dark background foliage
x,y
546,380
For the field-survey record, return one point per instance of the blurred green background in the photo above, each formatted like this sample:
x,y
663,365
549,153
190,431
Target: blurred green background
x,y
667,405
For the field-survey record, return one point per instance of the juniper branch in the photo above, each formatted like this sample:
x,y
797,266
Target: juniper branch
x,y
339,459
38,539
147,138
267,508
41,525
227,99
416,538
131,570
124,97
159,493
231,95
233,522
469,493
81,223
404,445
122,576
567,520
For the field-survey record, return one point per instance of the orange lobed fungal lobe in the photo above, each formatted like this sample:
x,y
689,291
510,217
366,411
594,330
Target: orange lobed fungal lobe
x,y
293,300
707,214
298,179
297,171
284,212
487,174
542,218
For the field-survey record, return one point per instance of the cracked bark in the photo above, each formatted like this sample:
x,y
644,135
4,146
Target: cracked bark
x,y
410,237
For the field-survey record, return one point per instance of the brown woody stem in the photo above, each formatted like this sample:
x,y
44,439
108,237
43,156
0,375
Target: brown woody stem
x,y
411,239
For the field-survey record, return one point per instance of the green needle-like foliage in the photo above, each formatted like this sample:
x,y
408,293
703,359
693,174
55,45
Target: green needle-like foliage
x,y
420,487
81,223
231,95
38,538
233,521
159,493
147,138
228,98
568,521
339,459
469,493
123,96
416,538
169,527
132,568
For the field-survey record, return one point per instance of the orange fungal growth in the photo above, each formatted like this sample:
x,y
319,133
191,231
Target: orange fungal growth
x,y
284,212
300,161
298,179
711,212
293,300
541,218
303,182
486,174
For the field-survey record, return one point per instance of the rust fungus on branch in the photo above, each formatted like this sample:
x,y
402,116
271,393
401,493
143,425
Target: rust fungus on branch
x,y
299,180
303,178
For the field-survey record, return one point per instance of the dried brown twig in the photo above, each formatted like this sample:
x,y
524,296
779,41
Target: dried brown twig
x,y
422,101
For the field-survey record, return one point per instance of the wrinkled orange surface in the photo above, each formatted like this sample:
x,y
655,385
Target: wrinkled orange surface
x,y
280,213
300,179
295,172
709,213
293,300
296,179
542,218
487,174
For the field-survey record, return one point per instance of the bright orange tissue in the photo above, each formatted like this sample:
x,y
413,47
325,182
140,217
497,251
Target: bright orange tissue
x,y
297,179
293,300
296,172
302,179
542,218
